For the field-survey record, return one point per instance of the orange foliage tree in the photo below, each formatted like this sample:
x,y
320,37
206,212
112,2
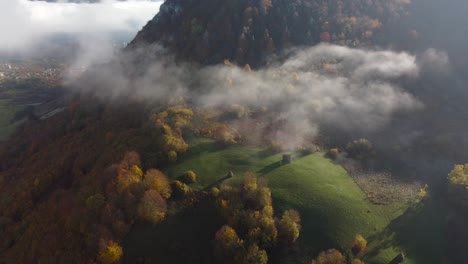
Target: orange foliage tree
x,y
331,256
152,207
156,180
359,244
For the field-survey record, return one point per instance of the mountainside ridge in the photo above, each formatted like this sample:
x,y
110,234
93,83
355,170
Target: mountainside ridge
x,y
248,31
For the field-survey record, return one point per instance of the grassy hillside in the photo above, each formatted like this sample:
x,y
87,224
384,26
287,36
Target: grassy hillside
x,y
332,207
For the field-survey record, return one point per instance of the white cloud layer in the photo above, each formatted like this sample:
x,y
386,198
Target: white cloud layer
x,y
23,23
349,89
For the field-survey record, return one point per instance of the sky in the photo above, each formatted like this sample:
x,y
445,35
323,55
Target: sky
x,y
23,23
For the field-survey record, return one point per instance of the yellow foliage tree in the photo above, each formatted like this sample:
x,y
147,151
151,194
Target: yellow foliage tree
x,y
255,255
137,171
152,207
331,256
189,177
227,237
289,227
111,253
229,247
423,192
459,175
359,244
156,180
125,177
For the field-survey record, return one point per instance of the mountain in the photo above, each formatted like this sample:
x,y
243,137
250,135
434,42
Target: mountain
x,y
246,31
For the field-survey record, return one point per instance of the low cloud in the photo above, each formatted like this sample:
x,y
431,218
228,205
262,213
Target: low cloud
x,y
434,61
350,89
24,23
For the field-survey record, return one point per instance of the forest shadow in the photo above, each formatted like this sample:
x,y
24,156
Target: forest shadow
x,y
420,231
175,240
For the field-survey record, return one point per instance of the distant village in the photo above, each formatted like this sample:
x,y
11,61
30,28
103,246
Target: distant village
x,y
20,71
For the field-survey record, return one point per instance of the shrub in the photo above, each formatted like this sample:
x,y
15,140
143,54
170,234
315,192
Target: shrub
x,y
307,150
333,153
423,192
359,244
215,192
172,156
360,149
152,207
179,189
189,177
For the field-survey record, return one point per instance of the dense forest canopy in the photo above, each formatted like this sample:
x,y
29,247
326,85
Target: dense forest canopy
x,y
248,31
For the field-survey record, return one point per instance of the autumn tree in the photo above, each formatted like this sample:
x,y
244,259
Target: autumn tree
x,y
247,207
215,192
129,171
331,256
189,177
459,175
156,180
168,126
289,227
256,194
110,252
359,244
228,247
224,135
458,187
256,255
152,207
127,177
179,189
